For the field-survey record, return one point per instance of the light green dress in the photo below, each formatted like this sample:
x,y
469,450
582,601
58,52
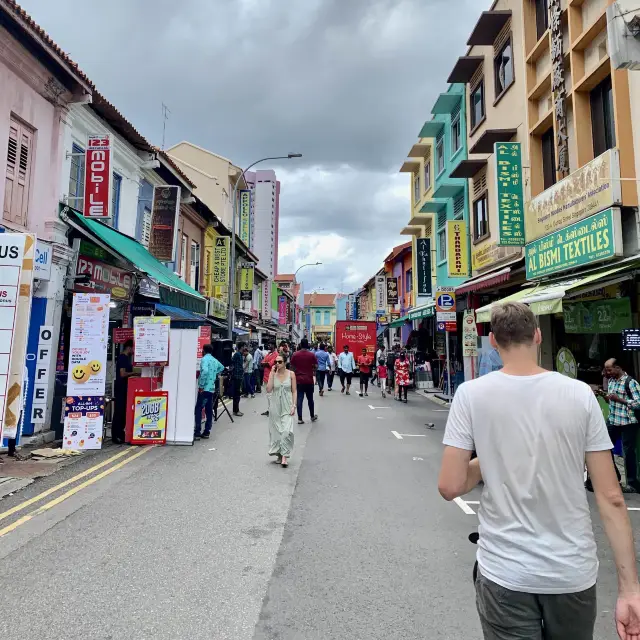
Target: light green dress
x,y
280,418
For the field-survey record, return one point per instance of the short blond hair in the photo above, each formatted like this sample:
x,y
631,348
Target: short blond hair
x,y
513,324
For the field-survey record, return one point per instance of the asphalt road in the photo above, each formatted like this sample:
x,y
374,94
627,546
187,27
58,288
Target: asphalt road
x,y
216,542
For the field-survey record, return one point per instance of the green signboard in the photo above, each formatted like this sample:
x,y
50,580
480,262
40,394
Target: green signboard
x,y
600,316
510,193
589,241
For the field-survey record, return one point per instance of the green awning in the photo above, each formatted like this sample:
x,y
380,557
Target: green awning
x,y
547,299
173,291
425,311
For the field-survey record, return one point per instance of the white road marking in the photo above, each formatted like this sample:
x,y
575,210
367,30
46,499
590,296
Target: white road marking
x,y
397,435
372,407
380,417
418,458
439,409
633,509
472,501
464,506
413,435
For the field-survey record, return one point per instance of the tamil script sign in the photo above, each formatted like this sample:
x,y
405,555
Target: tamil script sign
x,y
509,193
164,222
458,253
423,264
97,177
245,216
593,240
593,188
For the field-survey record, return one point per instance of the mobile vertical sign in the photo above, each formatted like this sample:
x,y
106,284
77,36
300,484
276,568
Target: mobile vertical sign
x,y
381,293
458,250
509,193
423,263
97,177
245,216
221,266
164,222
246,281
392,291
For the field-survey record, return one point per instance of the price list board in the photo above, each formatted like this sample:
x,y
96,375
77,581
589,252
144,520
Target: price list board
x,y
151,341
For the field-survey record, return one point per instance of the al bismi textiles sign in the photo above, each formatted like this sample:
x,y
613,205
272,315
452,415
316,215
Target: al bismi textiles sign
x,y
593,240
593,188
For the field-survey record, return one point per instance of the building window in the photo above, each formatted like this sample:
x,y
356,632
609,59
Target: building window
x,y
480,219
146,227
416,187
183,258
440,156
408,281
116,184
442,245
542,17
18,173
602,117
318,318
477,104
327,318
503,68
427,175
548,159
456,135
194,275
76,179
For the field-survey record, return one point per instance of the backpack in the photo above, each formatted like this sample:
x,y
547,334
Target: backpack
x,y
629,395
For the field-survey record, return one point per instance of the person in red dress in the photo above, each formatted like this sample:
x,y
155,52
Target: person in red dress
x,y
364,364
402,376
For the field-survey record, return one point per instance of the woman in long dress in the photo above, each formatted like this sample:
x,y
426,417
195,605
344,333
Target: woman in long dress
x,y
402,377
282,406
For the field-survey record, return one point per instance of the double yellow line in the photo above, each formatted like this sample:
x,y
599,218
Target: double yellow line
x,y
61,498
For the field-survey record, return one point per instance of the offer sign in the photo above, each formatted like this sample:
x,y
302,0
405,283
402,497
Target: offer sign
x,y
150,418
83,423
97,177
151,341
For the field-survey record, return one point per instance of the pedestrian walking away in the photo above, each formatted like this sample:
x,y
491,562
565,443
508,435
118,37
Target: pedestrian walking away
x,y
382,376
304,364
124,371
324,364
379,354
282,407
537,559
364,365
392,356
237,375
402,377
333,366
346,367
258,356
247,373
210,369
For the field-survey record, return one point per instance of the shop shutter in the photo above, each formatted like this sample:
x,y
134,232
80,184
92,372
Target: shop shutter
x,y
18,173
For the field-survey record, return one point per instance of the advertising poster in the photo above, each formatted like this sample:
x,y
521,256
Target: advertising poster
x,y
381,293
221,262
469,335
601,316
509,193
83,422
88,344
245,217
151,341
458,254
282,310
164,222
392,291
423,263
14,321
204,337
97,177
150,418
104,278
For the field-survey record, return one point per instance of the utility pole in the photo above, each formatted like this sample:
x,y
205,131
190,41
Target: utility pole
x,y
165,117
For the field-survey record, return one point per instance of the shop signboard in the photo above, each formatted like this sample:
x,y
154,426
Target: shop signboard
x,y
469,335
558,85
423,264
245,216
381,293
458,250
266,300
246,280
98,177
42,260
383,320
590,189
509,193
392,291
489,254
164,222
150,417
217,308
40,387
151,341
149,287
88,344
83,423
601,316
282,310
103,278
221,262
587,242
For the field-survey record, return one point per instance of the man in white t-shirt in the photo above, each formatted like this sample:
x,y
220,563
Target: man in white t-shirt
x,y
532,430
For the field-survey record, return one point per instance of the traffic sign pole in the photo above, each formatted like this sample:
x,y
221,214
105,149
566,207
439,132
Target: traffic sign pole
x,y
448,365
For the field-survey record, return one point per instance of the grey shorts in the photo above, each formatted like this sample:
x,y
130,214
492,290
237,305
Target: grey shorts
x,y
512,615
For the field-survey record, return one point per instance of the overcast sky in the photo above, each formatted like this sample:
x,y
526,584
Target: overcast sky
x,y
347,83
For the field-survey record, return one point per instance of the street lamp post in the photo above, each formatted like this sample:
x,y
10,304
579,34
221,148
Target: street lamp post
x,y
232,264
310,264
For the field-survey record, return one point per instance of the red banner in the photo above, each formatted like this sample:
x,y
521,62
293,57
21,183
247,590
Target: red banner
x,y
204,337
97,177
282,310
120,336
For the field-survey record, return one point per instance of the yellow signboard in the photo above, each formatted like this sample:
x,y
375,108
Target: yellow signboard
x,y
221,261
458,251
245,217
489,254
246,280
587,191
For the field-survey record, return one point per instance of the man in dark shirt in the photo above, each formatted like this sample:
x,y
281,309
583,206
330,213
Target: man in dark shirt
x,y
304,364
124,370
237,374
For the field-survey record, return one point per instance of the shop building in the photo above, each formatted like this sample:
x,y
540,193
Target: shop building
x,y
320,308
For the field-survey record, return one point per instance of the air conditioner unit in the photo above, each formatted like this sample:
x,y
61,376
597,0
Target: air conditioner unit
x,y
623,34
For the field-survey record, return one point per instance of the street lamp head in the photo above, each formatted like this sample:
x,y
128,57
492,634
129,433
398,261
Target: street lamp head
x,y
318,264
294,155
